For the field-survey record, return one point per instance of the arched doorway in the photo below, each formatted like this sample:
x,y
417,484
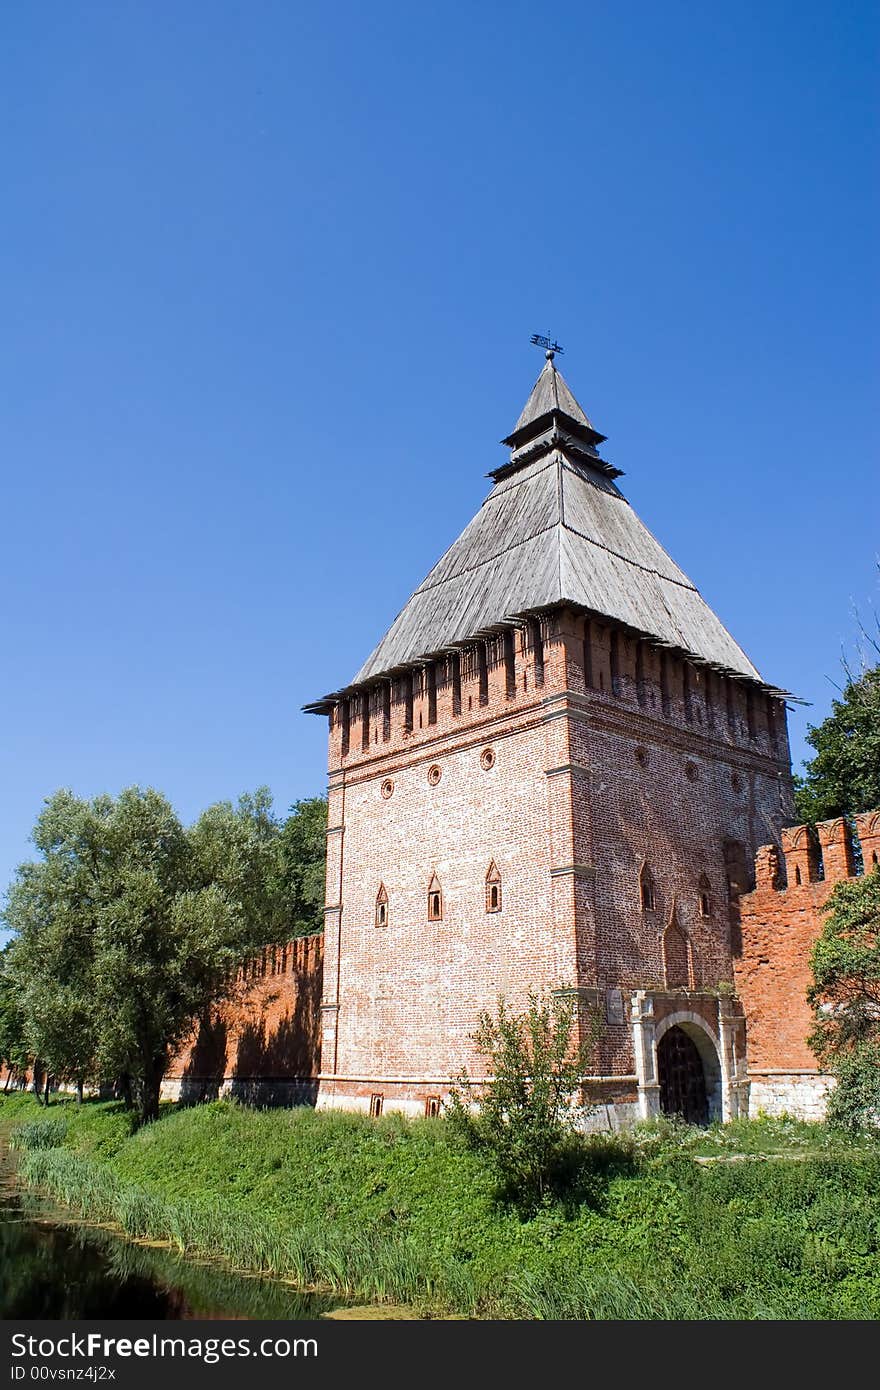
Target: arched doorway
x,y
681,1077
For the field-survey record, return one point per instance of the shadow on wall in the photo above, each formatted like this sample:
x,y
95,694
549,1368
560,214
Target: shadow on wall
x,y
276,1062
204,1073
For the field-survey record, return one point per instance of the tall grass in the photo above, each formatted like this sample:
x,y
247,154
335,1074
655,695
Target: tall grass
x,y
364,1263
396,1211
45,1133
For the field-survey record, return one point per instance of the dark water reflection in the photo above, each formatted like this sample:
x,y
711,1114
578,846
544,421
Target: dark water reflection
x,y
51,1268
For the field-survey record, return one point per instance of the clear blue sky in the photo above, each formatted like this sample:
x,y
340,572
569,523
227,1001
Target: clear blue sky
x,y
269,271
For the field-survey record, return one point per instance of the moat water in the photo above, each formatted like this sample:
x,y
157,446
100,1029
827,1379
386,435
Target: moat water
x,y
53,1266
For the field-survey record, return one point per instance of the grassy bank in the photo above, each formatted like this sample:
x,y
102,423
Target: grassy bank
x,y
396,1210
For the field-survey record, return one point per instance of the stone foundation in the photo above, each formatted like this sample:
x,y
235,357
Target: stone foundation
x,y
262,1092
803,1094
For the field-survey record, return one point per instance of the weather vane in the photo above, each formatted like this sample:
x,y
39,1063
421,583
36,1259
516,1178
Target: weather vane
x,y
550,344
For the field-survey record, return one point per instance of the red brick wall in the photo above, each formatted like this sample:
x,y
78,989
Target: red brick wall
x,y
779,927
270,1033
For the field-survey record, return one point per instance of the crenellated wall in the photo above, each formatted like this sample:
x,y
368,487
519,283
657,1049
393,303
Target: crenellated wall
x,y
265,1046
780,922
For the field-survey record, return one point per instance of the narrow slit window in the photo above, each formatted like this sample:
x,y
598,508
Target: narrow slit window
x,y
705,891
641,693
493,888
588,655
432,693
538,649
509,665
386,711
382,907
665,701
365,720
483,673
345,721
435,900
614,661
456,683
647,890
687,689
376,1105
408,702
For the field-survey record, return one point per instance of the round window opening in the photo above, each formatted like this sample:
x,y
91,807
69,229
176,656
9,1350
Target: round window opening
x,y
487,759
387,788
434,775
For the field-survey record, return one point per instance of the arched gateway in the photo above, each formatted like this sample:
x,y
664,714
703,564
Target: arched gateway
x,y
681,1077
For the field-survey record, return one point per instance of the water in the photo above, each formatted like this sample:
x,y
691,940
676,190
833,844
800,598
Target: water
x,y
52,1266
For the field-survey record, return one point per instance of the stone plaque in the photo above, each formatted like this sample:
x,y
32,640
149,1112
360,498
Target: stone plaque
x,y
614,1006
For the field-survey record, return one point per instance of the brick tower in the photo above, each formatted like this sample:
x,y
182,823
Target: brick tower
x,y
554,771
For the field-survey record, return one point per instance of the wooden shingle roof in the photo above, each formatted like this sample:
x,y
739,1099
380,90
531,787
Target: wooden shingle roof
x,y
554,531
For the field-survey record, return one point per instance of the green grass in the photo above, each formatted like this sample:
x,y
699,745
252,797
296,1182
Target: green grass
x,y
396,1210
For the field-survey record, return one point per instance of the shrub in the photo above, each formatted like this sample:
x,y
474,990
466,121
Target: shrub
x,y
854,1103
522,1114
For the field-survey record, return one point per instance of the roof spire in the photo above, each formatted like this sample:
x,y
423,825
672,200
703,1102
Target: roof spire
x,y
552,419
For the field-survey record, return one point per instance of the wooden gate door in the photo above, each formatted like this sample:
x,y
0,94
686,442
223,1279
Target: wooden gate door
x,y
682,1079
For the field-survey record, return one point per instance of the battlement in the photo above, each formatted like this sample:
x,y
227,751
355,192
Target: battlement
x,y
820,855
780,922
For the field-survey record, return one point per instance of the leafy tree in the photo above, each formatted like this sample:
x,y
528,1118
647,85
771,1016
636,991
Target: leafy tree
x,y
522,1114
845,996
303,864
130,925
843,778
14,1054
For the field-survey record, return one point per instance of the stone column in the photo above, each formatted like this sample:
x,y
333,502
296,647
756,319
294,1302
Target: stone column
x,y
642,1019
734,1078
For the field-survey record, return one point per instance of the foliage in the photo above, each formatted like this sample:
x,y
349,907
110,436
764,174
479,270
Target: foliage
x,y
14,1054
303,854
522,1114
129,925
843,779
400,1209
845,996
855,1101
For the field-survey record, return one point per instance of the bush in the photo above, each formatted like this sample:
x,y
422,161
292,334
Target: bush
x,y
521,1116
854,1103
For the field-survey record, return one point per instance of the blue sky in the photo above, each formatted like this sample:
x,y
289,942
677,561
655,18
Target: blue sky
x,y
269,272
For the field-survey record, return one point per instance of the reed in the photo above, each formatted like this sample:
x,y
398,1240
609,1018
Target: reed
x,y
366,1264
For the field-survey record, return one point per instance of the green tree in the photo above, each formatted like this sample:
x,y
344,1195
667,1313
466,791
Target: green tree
x,y
522,1115
129,926
14,1054
845,996
843,778
303,865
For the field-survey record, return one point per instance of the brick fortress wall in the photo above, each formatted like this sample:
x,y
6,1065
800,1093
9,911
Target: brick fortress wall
x,y
610,759
264,1047
781,920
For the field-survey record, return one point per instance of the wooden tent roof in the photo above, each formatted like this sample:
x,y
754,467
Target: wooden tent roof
x,y
554,531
